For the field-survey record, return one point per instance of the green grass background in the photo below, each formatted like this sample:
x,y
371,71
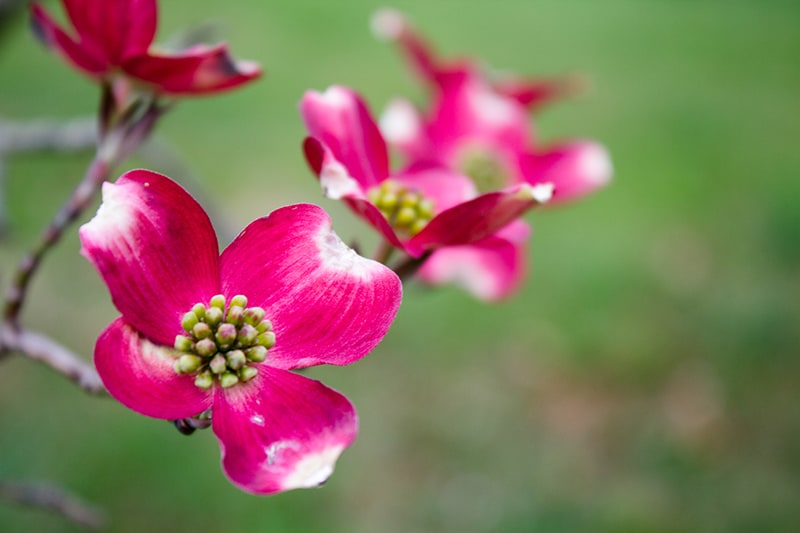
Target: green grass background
x,y
645,379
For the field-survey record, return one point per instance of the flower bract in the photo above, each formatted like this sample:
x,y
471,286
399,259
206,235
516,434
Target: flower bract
x,y
207,334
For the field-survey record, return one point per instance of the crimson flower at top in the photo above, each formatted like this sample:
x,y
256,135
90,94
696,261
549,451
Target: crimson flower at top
x,y
115,36
417,209
479,126
209,335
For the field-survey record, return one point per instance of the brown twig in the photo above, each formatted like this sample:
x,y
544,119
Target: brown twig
x,y
44,349
55,499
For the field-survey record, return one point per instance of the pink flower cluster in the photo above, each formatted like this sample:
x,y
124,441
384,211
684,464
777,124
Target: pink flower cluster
x,y
213,338
470,164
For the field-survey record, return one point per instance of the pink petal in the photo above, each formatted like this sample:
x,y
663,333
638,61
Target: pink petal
x,y
474,220
575,168
340,120
473,113
118,28
139,375
403,127
198,70
155,248
281,431
91,61
328,305
490,269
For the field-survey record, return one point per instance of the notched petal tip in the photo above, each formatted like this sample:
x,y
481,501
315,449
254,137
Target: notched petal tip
x,y
595,164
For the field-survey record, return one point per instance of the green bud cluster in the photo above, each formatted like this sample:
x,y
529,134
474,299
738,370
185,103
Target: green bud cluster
x,y
223,341
485,169
407,211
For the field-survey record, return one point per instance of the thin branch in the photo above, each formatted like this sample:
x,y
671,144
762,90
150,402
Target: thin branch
x,y
55,499
47,134
44,349
81,197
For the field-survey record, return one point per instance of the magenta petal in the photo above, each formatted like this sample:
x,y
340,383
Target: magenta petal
x,y
534,93
575,168
474,220
281,431
92,62
198,70
339,119
117,27
327,304
490,269
155,248
392,25
139,375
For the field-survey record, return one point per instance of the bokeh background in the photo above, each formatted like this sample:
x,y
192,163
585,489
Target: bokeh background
x,y
645,379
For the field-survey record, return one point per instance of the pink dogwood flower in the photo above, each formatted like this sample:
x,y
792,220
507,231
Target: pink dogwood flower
x,y
480,127
204,334
418,209
115,36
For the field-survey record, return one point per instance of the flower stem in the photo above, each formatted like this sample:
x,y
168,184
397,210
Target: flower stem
x,y
409,267
383,252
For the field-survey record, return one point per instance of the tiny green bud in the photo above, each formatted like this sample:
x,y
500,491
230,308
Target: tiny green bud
x,y
247,373
217,301
183,343
235,315
264,325
257,354
204,380
226,335
201,330
199,310
218,364
236,359
205,347
254,315
267,339
247,335
189,363
240,300
425,208
410,200
405,216
228,379
214,316
388,201
188,321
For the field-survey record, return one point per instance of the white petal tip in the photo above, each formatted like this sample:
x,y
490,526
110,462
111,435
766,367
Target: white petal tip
x,y
336,182
399,123
595,164
313,470
542,192
388,24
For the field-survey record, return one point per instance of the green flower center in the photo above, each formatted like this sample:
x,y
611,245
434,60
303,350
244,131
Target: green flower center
x,y
407,211
487,171
222,342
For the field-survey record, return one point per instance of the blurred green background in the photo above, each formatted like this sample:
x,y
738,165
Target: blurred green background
x,y
644,380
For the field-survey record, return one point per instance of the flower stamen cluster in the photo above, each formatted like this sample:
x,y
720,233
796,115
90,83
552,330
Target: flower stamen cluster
x,y
407,211
223,342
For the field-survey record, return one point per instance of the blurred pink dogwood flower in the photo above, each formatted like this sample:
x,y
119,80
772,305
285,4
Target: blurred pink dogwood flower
x,y
480,127
217,335
418,209
114,37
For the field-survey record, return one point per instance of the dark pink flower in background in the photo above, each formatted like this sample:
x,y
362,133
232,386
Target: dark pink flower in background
x,y
480,127
113,37
204,334
420,208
